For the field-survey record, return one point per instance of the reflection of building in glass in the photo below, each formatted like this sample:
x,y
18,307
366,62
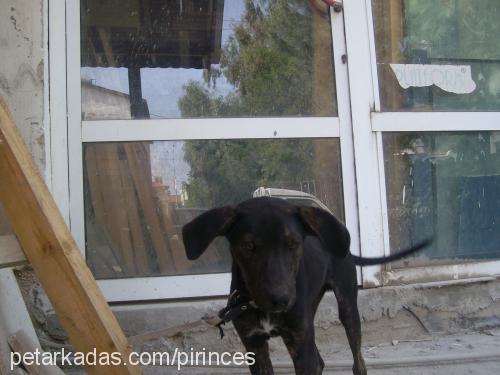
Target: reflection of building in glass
x,y
156,34
102,103
168,164
164,193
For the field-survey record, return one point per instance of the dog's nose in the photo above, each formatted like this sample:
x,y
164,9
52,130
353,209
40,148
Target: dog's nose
x,y
280,302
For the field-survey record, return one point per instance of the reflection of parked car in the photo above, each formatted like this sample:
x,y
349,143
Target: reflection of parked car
x,y
293,196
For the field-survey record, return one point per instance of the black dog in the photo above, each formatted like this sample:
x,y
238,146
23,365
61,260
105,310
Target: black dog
x,y
284,259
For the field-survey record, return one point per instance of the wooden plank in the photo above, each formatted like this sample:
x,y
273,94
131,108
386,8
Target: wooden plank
x,y
114,212
140,251
54,255
92,174
11,254
13,316
108,208
141,175
117,217
182,263
97,233
21,343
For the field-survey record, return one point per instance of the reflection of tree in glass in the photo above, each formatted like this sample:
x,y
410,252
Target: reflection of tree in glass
x,y
457,32
227,172
454,29
268,61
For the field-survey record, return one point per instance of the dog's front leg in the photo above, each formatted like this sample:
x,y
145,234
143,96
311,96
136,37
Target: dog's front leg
x,y
262,365
256,344
303,350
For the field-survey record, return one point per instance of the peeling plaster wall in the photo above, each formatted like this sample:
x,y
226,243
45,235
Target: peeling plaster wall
x,y
22,70
22,89
22,75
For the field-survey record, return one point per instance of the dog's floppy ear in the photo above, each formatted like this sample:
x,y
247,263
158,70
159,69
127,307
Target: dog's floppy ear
x,y
330,231
198,233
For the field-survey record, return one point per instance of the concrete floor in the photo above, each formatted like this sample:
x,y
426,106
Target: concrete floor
x,y
459,354
450,328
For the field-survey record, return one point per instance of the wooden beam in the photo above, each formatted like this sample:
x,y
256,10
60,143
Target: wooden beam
x,y
54,255
21,343
11,254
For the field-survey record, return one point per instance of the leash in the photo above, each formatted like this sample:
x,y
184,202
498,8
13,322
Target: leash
x,y
236,305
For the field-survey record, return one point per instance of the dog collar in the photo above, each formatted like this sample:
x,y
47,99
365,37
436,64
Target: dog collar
x,y
236,305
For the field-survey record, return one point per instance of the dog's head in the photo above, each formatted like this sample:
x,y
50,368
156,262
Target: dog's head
x,y
266,237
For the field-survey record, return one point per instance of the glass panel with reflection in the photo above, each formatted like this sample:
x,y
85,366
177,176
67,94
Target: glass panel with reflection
x,y
438,55
138,195
213,58
445,185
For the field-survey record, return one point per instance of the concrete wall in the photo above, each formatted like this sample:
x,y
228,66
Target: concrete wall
x,y
22,89
22,70
22,75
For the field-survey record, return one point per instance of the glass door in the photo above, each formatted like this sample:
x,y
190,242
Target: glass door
x,y
179,106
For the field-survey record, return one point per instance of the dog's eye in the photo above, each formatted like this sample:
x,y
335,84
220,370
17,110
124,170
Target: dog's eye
x,y
247,246
292,244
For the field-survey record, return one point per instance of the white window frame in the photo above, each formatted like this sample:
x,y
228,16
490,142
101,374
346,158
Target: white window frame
x,y
69,131
370,125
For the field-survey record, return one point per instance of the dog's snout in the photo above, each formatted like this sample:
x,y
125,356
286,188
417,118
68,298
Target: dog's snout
x,y
280,302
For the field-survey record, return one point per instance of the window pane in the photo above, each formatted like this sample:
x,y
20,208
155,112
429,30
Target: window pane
x,y
445,185
213,58
139,194
438,55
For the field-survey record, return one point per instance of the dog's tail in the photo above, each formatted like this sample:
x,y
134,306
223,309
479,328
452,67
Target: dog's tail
x,y
360,261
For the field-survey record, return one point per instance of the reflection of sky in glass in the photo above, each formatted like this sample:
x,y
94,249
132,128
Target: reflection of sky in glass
x,y
167,162
162,87
110,78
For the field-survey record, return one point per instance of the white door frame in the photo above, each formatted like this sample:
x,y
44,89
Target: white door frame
x,y
362,82
58,137
74,132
